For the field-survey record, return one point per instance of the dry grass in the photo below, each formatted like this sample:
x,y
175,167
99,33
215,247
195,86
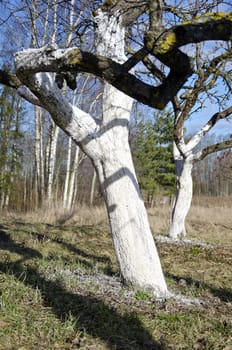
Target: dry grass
x,y
83,215
209,218
59,286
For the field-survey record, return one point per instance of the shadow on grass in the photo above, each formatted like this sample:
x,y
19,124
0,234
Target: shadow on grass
x,y
224,294
6,243
85,259
118,330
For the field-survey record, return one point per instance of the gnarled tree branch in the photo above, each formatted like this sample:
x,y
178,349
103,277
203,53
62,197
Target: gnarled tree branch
x,y
214,148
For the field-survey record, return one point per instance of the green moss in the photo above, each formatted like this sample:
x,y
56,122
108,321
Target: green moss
x,y
218,15
167,43
73,57
169,40
210,16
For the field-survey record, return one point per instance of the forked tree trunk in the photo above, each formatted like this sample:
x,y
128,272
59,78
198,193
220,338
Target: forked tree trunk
x,y
183,198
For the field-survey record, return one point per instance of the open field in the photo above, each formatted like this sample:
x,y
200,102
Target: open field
x,y
60,285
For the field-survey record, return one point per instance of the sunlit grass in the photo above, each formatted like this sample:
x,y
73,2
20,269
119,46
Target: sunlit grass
x,y
60,288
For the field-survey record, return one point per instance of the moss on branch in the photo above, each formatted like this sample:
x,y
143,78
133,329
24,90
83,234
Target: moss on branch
x,y
211,26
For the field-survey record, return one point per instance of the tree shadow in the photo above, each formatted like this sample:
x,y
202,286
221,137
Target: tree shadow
x,y
84,258
92,315
7,243
224,294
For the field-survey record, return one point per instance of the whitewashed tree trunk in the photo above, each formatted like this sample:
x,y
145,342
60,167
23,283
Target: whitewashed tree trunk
x,y
133,241
183,196
185,155
108,147
134,245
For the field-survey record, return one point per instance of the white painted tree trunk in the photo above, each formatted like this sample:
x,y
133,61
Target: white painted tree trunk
x,y
183,197
134,245
184,163
108,147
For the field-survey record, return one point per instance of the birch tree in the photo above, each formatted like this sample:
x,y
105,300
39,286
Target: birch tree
x,y
44,18
11,115
105,141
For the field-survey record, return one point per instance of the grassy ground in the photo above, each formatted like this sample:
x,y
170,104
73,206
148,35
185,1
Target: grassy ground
x,y
60,285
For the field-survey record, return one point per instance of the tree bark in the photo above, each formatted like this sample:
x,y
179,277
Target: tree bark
x,y
39,157
70,188
67,175
183,196
54,132
134,245
73,180
93,184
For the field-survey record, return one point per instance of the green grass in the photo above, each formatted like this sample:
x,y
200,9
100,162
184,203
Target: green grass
x,y
59,289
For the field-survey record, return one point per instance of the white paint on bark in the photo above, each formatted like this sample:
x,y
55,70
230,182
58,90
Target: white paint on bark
x,y
133,241
134,245
185,155
183,198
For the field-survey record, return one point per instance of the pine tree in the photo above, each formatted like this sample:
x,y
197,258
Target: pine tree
x,y
152,144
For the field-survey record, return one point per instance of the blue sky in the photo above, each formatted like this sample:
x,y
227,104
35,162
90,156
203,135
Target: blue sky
x,y
196,121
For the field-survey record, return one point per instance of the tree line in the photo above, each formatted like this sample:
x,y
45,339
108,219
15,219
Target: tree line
x,y
151,140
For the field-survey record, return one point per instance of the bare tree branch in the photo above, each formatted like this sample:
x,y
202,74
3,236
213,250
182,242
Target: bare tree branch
x,y
213,148
199,86
9,79
207,127
165,47
47,59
